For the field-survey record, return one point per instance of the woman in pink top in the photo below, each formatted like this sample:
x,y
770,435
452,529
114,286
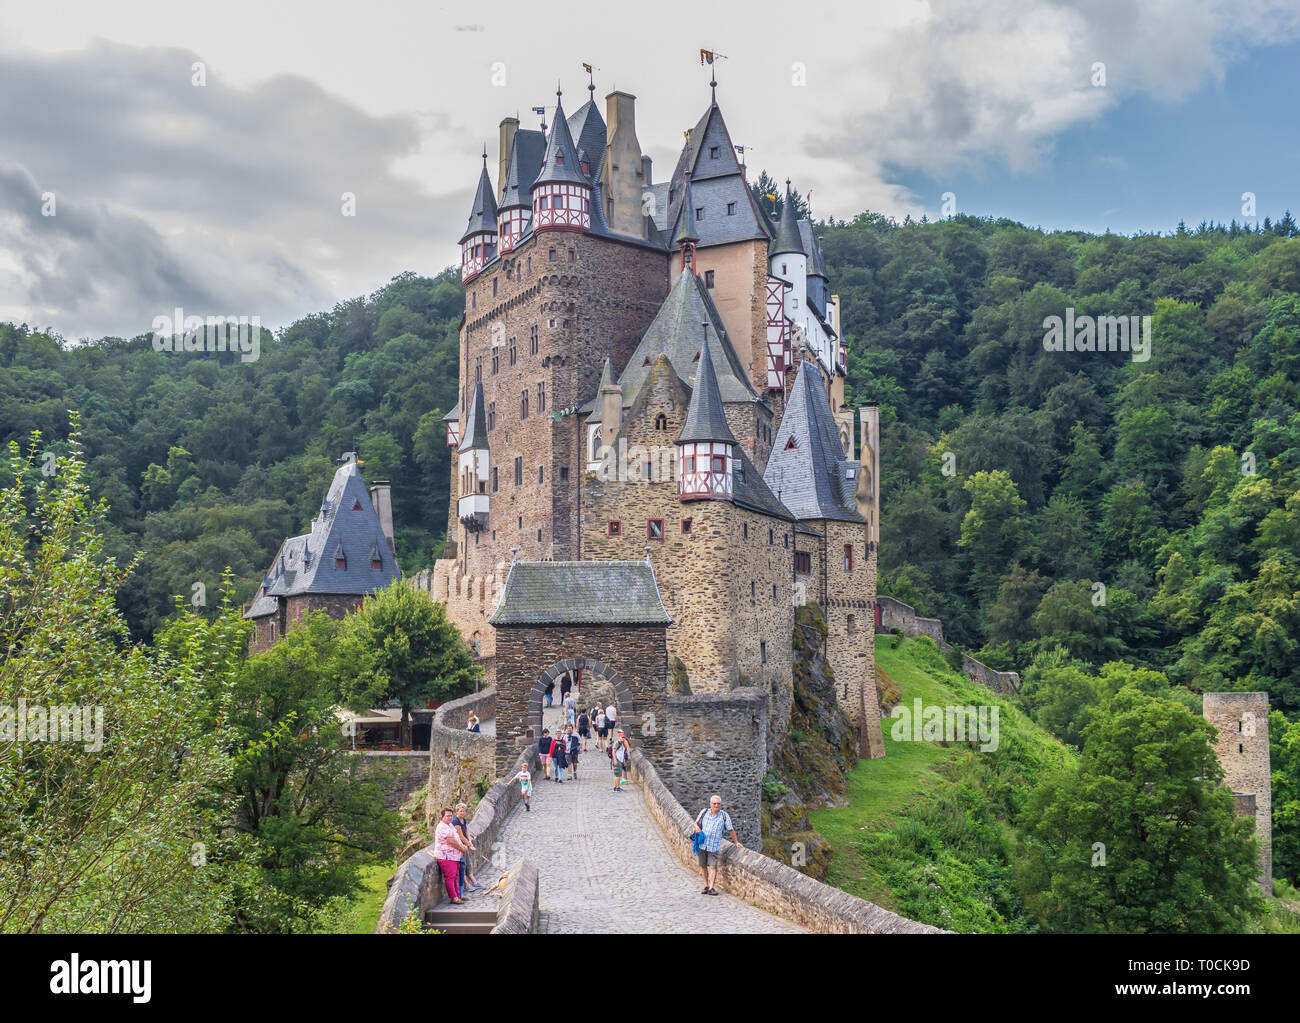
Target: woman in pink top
x,y
447,850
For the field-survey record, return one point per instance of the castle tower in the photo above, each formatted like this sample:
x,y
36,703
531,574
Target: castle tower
x,y
706,447
624,172
472,509
522,153
561,193
479,242
1242,749
789,261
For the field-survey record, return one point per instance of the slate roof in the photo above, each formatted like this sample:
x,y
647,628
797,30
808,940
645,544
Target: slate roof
x,y
677,331
787,233
475,434
705,419
580,593
816,258
812,478
588,130
559,145
306,564
483,214
750,490
525,161
686,230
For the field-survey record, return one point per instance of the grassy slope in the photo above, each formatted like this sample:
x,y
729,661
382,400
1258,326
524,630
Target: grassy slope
x,y
362,914
927,831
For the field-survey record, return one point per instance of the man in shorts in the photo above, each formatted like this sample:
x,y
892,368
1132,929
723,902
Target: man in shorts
x,y
713,821
602,730
584,731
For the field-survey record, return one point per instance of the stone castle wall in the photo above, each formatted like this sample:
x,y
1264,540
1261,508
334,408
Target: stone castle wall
x,y
469,602
409,770
1006,682
1242,749
717,744
850,614
894,614
459,760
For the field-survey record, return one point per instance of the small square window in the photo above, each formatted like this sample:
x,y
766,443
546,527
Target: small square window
x,y
699,212
686,527
551,256
654,529
713,152
708,278
615,528
731,209
564,473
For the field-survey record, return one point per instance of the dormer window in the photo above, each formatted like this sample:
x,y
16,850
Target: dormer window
x,y
340,563
376,564
586,167
559,159
713,152
699,212
356,505
790,445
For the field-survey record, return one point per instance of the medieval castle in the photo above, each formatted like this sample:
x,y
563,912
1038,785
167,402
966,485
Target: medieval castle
x,y
654,369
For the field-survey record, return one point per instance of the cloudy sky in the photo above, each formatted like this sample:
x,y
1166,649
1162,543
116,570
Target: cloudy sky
x,y
226,197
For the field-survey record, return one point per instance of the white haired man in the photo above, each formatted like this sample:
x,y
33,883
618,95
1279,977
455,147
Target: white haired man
x,y
712,823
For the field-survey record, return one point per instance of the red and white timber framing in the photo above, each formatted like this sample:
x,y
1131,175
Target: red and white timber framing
x,y
778,334
704,471
562,207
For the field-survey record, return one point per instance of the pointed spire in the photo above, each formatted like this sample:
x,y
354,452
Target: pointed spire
x,y
787,234
606,375
560,163
483,214
686,233
705,419
474,435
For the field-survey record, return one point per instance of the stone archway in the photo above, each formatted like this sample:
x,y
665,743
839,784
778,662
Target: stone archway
x,y
623,698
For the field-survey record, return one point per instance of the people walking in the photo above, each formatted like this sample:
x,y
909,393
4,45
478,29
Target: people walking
x,y
602,728
461,823
712,823
574,748
570,709
550,691
448,850
559,757
525,780
611,719
621,758
544,745
584,730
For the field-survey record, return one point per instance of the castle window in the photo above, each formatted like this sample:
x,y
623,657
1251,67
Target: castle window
x,y
783,268
528,266
340,563
572,256
803,562
708,278
376,564
473,300
686,527
551,323
1241,748
762,651
774,593
786,537
751,590
848,557
746,530
586,167
520,522
790,445
494,481
713,152
661,422
551,255
523,404
720,465
559,159
492,415
699,212
771,537
273,632
541,474
495,282
654,529
539,536
542,202
852,624
478,368
519,471
356,505
512,352
615,528
564,474
496,359
532,340
689,465
731,209
541,397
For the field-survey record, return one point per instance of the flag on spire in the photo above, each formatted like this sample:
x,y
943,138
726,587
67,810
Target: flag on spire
x,y
586,68
706,57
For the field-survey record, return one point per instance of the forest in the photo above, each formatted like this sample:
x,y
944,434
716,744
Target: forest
x,y
1063,512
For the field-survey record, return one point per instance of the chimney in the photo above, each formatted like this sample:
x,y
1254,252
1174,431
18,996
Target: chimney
x,y
646,176
621,173
868,495
506,139
611,412
381,496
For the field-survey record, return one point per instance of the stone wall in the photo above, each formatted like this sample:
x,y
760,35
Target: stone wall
x,y
1242,748
459,759
894,614
469,601
1004,682
410,771
766,883
633,658
521,907
850,612
717,743
417,885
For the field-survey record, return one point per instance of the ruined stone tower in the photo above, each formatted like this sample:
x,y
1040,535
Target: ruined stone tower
x,y
1242,749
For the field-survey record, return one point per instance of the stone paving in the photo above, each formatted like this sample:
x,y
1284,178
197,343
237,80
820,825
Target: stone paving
x,y
605,866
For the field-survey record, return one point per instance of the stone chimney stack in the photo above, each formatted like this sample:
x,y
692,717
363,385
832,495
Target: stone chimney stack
x,y
621,174
611,407
868,495
647,177
381,496
506,139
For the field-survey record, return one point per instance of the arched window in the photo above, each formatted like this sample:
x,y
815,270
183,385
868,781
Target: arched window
x,y
661,422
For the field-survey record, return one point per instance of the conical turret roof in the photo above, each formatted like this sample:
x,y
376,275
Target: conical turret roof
x,y
705,419
787,234
686,231
483,214
560,164
475,435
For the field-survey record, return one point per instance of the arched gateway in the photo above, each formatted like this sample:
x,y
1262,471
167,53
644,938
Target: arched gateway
x,y
604,617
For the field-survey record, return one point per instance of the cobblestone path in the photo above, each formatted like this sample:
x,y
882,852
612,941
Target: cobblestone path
x,y
605,866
